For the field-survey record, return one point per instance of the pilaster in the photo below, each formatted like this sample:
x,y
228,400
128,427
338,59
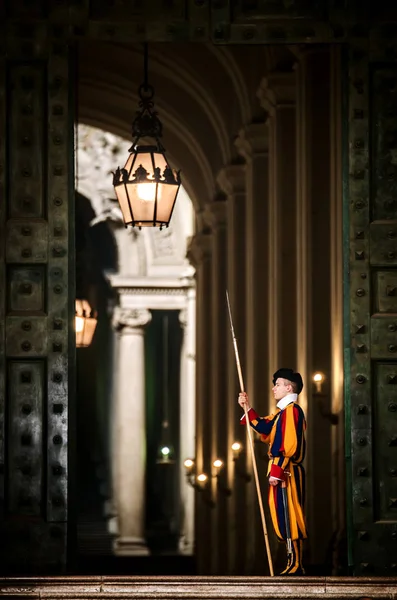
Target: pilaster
x,y
277,93
232,180
216,218
199,254
253,145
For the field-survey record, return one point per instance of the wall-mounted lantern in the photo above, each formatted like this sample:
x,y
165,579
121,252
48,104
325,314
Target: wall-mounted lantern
x,y
85,324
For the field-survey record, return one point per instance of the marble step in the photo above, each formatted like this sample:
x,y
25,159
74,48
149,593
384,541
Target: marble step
x,y
172,588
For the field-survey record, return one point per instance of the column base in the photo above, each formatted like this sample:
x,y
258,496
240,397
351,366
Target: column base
x,y
185,547
130,546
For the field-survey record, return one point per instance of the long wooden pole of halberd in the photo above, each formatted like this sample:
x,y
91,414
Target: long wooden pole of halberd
x,y
250,442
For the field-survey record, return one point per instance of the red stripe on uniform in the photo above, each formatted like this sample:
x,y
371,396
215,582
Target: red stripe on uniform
x,y
296,415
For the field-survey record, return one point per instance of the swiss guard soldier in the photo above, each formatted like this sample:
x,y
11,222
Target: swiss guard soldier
x,y
284,431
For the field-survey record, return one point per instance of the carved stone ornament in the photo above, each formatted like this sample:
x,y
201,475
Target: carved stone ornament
x,y
129,318
232,179
253,140
215,214
163,243
277,90
199,249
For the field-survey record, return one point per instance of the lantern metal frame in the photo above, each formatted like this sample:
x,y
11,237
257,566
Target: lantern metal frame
x,y
164,181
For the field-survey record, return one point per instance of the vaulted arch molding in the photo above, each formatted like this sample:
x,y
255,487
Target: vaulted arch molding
x,y
248,65
176,88
189,81
187,66
224,57
123,101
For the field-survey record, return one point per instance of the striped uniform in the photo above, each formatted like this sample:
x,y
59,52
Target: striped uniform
x,y
284,431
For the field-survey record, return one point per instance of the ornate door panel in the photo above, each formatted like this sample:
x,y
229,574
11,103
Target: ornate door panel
x,y
371,334
277,21
36,291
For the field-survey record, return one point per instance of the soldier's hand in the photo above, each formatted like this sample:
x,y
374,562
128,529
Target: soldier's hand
x,y
243,400
273,480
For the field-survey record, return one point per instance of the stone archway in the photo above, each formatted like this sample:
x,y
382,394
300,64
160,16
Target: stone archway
x,y
151,274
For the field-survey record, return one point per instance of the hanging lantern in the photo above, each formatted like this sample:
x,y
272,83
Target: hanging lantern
x,y
146,187
85,324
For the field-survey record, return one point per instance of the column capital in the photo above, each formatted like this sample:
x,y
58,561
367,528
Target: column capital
x,y
125,319
277,90
199,248
216,214
231,179
253,140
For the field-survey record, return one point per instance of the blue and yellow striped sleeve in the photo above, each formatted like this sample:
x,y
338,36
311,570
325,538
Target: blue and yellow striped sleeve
x,y
288,441
262,425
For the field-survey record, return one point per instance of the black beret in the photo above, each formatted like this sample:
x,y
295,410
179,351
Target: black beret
x,y
291,376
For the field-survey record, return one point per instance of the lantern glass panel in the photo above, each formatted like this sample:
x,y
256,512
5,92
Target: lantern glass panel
x,y
159,161
123,201
89,330
130,162
85,324
79,325
142,209
166,199
146,191
143,159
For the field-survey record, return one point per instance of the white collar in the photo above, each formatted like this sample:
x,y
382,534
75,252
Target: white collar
x,y
288,399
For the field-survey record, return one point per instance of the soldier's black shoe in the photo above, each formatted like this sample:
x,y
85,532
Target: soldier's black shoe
x,y
299,572
294,563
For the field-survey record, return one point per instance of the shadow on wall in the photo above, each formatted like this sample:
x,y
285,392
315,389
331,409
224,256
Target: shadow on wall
x,y
95,254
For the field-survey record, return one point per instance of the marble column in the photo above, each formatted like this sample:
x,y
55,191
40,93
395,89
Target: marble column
x,y
111,506
215,214
187,319
199,254
313,280
130,432
232,180
277,96
253,146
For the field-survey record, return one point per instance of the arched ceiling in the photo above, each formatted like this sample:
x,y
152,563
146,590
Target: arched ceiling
x,y
203,93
